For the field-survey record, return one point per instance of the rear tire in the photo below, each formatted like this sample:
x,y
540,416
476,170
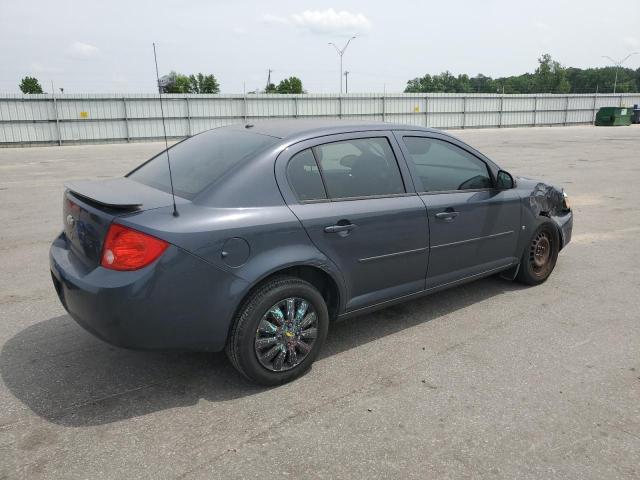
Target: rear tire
x,y
540,255
278,331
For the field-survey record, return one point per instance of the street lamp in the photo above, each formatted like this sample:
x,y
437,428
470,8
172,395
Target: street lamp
x,y
341,53
618,64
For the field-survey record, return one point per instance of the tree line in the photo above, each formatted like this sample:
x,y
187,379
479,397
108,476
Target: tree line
x,y
179,83
549,77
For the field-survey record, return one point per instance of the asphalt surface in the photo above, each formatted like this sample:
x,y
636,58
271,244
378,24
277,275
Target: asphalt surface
x,y
487,380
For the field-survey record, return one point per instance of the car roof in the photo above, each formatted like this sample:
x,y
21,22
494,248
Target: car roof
x,y
295,129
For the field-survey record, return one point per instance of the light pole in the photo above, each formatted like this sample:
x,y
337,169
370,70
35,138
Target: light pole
x,y
346,81
341,53
618,64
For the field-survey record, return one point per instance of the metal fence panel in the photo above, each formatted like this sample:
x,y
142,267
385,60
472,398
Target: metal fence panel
x,y
313,106
579,116
30,110
45,119
27,133
92,131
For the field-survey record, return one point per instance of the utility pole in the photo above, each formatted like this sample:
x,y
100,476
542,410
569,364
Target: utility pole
x,y
346,82
340,54
618,64
266,89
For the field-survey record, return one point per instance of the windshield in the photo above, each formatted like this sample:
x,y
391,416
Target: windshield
x,y
200,161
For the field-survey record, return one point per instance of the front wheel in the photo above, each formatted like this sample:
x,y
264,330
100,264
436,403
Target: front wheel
x,y
540,255
278,331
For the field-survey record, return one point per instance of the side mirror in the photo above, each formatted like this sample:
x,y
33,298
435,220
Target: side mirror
x,y
505,180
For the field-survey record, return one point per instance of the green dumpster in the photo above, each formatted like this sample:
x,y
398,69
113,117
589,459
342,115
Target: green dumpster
x,y
613,116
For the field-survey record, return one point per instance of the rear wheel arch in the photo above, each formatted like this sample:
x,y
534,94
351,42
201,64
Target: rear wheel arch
x,y
321,279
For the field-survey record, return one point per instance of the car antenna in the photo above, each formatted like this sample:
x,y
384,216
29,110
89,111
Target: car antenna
x,y
164,128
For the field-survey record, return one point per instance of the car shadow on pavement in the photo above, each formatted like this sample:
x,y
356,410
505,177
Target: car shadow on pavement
x,y
68,377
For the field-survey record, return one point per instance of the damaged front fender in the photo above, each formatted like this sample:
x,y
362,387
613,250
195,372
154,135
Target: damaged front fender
x,y
540,199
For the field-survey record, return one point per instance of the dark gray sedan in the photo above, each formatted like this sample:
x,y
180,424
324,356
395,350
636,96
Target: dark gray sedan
x,y
282,227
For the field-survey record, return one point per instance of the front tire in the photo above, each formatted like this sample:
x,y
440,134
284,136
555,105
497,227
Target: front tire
x,y
540,255
278,331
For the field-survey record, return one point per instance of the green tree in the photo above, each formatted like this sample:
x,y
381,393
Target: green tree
x,y
290,85
445,82
420,85
30,85
179,83
271,88
550,76
464,84
175,83
204,83
482,84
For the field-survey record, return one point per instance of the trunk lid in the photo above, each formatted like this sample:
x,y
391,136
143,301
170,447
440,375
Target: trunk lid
x,y
89,207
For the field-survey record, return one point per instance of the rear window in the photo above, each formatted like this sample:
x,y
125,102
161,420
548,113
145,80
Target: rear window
x,y
201,161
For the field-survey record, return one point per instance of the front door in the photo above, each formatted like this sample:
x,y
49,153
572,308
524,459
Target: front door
x,y
351,199
474,226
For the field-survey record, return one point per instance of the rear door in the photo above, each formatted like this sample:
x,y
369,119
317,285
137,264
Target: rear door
x,y
473,225
356,202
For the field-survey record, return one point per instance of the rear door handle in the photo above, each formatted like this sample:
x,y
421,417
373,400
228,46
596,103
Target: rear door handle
x,y
447,215
339,228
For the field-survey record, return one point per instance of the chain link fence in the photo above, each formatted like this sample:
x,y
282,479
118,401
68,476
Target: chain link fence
x,y
101,118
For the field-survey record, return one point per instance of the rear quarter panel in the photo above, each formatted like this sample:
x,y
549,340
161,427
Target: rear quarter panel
x,y
250,243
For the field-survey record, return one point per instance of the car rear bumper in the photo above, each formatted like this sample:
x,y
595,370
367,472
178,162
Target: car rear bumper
x,y
178,302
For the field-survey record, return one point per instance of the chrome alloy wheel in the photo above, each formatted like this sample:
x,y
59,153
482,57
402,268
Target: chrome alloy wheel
x,y
286,334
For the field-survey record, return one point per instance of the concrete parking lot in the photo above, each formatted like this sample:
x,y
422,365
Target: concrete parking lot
x,y
487,380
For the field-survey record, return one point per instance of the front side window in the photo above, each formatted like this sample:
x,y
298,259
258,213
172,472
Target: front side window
x,y
441,166
360,167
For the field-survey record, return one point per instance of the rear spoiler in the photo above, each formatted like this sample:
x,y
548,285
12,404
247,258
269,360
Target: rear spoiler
x,y
114,193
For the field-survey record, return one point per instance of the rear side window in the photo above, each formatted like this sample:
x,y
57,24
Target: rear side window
x,y
201,160
304,176
359,168
442,166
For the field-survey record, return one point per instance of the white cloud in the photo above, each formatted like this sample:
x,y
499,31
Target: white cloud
x,y
83,50
542,26
325,21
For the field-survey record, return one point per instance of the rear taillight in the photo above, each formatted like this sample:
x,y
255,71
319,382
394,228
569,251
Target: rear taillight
x,y
128,249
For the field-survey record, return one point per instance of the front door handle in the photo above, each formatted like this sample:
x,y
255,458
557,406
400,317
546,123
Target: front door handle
x,y
447,215
347,227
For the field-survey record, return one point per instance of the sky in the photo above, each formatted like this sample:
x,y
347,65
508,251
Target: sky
x,y
106,46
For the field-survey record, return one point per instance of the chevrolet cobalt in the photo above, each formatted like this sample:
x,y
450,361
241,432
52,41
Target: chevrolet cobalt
x,y
281,227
